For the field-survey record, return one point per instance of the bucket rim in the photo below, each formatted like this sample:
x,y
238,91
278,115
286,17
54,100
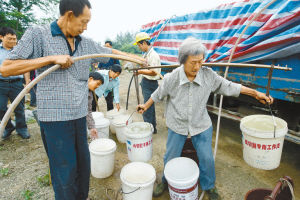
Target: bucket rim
x,y
114,112
263,134
186,181
111,150
104,123
123,180
132,135
121,123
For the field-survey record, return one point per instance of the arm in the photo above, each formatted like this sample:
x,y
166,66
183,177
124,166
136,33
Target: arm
x,y
146,72
116,95
117,52
144,107
261,97
89,118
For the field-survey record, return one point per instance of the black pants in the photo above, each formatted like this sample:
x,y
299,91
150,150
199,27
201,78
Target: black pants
x,y
109,102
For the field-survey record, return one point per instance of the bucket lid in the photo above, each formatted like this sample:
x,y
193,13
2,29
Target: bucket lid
x,y
102,146
112,113
101,122
139,130
121,120
181,171
262,126
97,115
138,174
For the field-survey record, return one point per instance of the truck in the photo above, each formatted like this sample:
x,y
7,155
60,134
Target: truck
x,y
269,33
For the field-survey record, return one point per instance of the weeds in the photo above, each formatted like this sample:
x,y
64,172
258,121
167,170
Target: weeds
x,y
44,180
4,171
27,194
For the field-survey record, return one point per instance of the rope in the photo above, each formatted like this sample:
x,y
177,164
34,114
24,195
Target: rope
x,y
283,180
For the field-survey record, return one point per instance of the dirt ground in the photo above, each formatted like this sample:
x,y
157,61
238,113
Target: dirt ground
x,y
24,162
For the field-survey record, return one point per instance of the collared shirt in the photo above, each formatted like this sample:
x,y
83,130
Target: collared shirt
x,y
63,94
108,86
153,59
186,101
107,65
3,55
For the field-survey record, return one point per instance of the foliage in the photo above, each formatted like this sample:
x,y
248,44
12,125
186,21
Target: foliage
x,y
124,42
27,194
4,171
18,14
44,180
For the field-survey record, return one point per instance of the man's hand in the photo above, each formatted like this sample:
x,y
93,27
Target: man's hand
x,y
94,133
118,106
262,98
141,108
64,60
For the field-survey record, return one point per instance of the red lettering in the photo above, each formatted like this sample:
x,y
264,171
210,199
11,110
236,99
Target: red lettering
x,y
134,145
264,147
269,147
254,145
274,146
278,145
258,146
246,142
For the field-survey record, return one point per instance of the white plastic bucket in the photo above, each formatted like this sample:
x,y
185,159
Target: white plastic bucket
x,y
182,175
137,181
97,115
102,157
102,126
260,148
120,125
111,115
139,141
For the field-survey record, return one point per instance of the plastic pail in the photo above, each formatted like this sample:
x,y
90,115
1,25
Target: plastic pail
x,y
97,115
102,126
111,115
260,148
137,181
120,125
139,141
102,157
182,175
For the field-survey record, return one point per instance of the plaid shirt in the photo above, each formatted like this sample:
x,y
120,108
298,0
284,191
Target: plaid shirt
x,y
186,101
63,94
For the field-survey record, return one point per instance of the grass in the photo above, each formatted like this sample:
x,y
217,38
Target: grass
x,y
27,194
4,171
44,180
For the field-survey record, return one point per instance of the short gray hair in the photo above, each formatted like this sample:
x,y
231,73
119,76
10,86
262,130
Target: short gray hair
x,y
190,46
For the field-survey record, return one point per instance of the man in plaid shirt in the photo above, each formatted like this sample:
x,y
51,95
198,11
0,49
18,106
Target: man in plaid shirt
x,y
62,96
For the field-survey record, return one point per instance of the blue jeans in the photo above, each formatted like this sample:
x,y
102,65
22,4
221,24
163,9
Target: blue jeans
x,y
148,87
202,143
33,96
69,158
9,91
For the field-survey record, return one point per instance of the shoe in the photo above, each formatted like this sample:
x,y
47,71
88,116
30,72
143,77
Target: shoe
x,y
7,133
213,194
159,189
24,134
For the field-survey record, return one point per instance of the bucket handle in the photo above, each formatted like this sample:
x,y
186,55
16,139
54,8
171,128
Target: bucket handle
x,y
283,182
121,191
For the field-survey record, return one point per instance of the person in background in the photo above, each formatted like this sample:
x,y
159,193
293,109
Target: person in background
x,y
62,96
150,76
111,83
106,66
33,90
10,87
187,89
95,80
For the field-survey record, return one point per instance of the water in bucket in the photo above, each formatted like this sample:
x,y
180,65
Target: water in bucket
x,y
182,175
137,181
112,114
262,142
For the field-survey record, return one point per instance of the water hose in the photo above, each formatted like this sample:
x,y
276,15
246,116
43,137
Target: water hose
x,y
225,75
48,71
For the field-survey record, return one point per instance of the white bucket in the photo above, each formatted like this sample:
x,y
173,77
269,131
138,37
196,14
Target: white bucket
x,y
120,125
139,141
102,157
97,115
137,181
102,126
111,115
260,148
182,175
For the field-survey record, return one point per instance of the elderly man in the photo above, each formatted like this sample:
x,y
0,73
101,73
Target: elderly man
x,y
62,96
187,90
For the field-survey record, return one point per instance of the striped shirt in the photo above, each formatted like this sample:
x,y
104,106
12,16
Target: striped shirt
x,y
63,94
186,101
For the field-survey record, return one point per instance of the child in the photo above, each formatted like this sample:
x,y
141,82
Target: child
x,y
95,80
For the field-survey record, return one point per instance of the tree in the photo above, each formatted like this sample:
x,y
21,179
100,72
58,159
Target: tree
x,y
124,42
18,14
